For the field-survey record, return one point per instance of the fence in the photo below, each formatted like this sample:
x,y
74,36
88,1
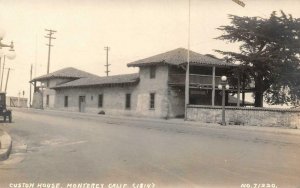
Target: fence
x,y
16,102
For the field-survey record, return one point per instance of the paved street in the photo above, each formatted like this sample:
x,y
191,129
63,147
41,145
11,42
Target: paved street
x,y
79,148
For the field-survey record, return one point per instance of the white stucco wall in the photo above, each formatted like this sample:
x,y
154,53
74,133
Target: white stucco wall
x,y
157,85
113,99
51,92
168,103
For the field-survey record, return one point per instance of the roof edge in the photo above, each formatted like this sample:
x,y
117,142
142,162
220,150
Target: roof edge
x,y
191,63
93,85
176,57
48,78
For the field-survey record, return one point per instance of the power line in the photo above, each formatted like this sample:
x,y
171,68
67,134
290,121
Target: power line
x,y
107,48
49,36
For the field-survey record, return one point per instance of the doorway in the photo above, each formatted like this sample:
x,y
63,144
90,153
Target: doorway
x,y
81,103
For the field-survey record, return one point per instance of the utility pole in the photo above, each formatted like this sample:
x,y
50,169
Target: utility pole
x,y
2,74
187,73
7,80
50,37
30,86
19,99
107,65
0,69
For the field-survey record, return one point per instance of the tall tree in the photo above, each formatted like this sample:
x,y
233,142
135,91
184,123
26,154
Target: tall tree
x,y
269,55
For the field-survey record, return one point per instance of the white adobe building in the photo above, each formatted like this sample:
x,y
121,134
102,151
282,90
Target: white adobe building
x,y
157,90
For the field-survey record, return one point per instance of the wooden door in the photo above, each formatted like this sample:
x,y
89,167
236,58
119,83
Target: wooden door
x,y
81,103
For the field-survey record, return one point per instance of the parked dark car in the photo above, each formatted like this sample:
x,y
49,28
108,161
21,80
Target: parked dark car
x,y
5,113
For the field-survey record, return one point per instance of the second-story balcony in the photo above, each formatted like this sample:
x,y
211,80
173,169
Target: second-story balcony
x,y
196,80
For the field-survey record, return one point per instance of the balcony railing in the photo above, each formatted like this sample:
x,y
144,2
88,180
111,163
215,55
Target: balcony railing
x,y
195,79
204,81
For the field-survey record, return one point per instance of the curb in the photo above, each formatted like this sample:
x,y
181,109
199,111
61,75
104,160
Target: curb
x,y
6,146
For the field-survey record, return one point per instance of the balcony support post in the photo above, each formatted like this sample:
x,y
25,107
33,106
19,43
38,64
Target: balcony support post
x,y
187,86
243,92
213,93
238,92
34,87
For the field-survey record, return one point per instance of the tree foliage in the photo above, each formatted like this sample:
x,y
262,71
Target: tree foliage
x,y
269,54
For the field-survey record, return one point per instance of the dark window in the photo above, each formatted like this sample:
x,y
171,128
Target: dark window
x,y
47,100
100,100
48,83
66,101
128,101
152,100
152,71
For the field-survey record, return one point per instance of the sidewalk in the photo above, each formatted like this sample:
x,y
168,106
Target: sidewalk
x,y
5,145
180,122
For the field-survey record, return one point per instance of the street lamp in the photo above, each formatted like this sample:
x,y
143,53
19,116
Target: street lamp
x,y
10,54
222,86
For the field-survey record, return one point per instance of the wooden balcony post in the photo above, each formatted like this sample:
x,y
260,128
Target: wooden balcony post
x,y
34,86
187,87
238,92
213,93
243,92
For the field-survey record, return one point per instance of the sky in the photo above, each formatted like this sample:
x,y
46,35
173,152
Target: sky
x,y
133,29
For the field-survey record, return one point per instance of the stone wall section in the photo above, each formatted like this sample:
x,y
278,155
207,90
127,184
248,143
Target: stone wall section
x,y
270,117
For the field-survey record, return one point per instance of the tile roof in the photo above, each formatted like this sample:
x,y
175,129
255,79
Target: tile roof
x,y
101,81
68,72
179,57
